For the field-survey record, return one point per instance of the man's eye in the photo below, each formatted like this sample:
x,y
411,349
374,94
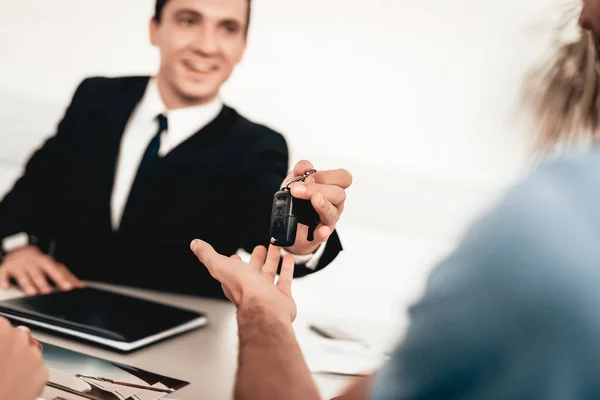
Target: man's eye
x,y
231,28
187,21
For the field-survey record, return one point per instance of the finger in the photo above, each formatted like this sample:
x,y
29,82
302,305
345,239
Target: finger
x,y
25,283
236,257
205,252
212,260
310,179
37,277
322,233
258,257
272,261
24,329
4,279
302,166
36,343
24,334
32,340
58,275
335,194
75,281
336,177
328,213
286,275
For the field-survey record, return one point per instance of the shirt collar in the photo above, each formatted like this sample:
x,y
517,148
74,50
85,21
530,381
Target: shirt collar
x,y
182,121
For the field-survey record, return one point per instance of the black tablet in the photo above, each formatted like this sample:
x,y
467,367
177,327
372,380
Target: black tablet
x,y
113,320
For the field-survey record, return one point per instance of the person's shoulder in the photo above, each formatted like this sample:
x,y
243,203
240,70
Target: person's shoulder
x,y
102,88
554,189
540,245
540,232
572,170
254,131
114,82
558,189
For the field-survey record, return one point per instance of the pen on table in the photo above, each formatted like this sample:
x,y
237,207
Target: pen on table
x,y
334,333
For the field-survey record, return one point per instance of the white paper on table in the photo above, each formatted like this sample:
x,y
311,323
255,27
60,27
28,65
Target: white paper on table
x,y
342,357
335,356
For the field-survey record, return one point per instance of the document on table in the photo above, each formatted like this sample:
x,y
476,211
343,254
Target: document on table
x,y
334,356
341,358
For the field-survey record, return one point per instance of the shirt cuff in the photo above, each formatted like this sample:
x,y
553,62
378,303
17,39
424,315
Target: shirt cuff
x,y
310,261
14,242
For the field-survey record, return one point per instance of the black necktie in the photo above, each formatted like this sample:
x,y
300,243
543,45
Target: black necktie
x,y
145,175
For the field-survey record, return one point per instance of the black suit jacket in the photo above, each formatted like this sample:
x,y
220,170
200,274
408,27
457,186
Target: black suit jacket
x,y
218,186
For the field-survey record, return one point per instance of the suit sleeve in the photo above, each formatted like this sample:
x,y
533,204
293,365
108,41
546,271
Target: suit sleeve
x,y
32,205
263,171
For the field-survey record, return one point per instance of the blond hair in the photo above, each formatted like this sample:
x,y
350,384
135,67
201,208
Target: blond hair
x,y
564,95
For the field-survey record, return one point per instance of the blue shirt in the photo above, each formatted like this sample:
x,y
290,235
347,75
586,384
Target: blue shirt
x,y
514,312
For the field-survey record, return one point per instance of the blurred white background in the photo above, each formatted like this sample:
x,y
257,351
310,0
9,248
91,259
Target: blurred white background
x,y
417,98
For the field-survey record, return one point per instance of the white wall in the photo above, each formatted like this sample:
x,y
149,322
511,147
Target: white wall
x,y
412,96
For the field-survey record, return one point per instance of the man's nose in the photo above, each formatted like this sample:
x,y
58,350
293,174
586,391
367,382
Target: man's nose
x,y
206,42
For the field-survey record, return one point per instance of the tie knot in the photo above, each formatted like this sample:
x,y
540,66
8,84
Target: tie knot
x,y
162,123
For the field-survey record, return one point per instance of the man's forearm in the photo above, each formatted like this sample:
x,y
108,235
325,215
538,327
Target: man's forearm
x,y
271,365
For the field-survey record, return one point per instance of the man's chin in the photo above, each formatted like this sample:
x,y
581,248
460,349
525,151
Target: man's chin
x,y
198,96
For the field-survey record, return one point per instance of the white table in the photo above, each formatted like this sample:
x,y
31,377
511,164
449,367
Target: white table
x,y
206,357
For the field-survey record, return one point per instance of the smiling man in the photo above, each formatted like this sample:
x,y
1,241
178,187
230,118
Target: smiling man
x,y
159,160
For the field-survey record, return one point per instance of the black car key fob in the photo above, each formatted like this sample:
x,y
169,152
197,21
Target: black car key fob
x,y
284,223
288,211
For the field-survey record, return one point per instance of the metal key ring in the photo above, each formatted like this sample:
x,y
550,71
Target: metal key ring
x,y
300,178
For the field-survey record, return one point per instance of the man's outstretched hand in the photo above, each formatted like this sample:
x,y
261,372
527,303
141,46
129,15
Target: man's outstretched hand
x,y
252,285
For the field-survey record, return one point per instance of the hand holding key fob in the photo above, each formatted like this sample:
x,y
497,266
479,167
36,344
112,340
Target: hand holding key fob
x,y
288,211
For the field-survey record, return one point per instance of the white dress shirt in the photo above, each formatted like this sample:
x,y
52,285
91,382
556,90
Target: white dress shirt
x,y
141,128
183,123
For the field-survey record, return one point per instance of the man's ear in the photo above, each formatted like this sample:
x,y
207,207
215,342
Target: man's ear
x,y
153,29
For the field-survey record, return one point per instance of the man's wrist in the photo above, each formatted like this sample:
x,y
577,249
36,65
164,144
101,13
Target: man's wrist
x,y
257,321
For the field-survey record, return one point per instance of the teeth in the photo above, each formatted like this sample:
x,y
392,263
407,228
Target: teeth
x,y
200,67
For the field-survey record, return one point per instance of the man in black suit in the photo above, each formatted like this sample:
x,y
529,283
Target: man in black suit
x,y
159,160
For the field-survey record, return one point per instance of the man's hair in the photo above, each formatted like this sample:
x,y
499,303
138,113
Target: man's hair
x,y
564,94
160,4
